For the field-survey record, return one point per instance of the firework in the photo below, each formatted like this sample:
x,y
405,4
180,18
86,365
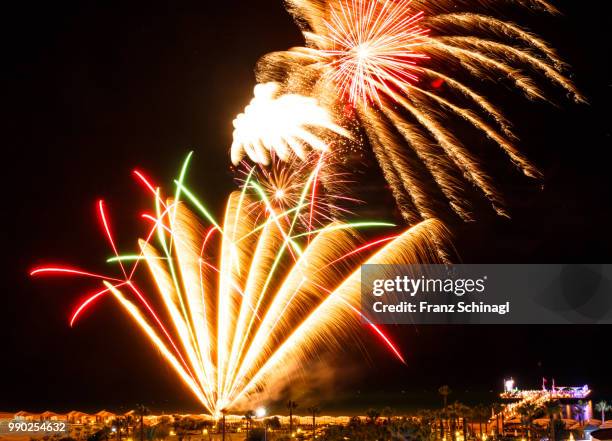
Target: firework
x,y
281,124
369,45
413,75
281,185
253,296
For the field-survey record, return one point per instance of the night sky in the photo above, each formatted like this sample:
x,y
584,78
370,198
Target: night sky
x,y
94,89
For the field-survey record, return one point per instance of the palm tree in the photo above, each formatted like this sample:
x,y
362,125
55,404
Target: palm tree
x,y
465,412
602,407
552,409
498,410
387,412
291,405
445,391
142,411
579,409
248,416
441,415
372,415
314,411
354,422
454,412
527,412
482,412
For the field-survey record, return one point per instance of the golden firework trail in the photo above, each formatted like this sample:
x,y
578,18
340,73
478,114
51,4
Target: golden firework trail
x,y
247,300
417,76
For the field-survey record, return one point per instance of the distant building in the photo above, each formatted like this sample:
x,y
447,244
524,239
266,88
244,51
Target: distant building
x,y
77,417
23,415
4,416
51,416
104,417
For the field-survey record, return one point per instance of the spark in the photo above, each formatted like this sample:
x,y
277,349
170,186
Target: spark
x,y
145,181
68,270
88,301
109,235
387,341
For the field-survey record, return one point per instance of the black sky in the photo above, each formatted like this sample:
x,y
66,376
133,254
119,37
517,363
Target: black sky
x,y
94,89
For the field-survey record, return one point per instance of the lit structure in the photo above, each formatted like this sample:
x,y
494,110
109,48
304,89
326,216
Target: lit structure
x,y
509,386
539,397
554,393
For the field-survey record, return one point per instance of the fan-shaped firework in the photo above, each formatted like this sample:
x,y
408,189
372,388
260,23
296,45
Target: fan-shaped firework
x,y
368,54
271,294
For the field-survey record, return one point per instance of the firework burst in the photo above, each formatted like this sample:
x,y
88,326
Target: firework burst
x,y
281,186
414,75
370,47
253,296
280,124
